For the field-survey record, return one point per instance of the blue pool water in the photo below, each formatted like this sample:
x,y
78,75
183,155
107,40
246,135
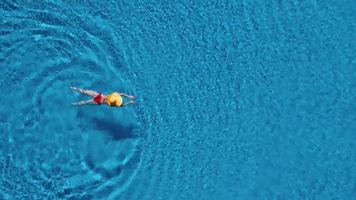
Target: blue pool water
x,y
235,99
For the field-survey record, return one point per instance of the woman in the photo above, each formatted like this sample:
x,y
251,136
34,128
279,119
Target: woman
x,y
113,99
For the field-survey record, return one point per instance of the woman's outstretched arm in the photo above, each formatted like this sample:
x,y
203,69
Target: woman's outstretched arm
x,y
80,103
127,103
126,95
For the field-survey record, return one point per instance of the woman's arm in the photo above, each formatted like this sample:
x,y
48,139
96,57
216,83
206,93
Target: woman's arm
x,y
126,95
127,103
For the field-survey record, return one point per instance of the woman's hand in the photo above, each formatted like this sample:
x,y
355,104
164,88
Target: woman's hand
x,y
128,96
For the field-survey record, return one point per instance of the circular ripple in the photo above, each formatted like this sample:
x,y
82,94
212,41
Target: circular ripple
x,y
53,150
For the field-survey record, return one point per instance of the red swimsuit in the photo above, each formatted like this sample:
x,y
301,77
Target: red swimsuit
x,y
98,99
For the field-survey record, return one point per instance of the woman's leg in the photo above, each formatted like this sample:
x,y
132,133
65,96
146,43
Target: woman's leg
x,y
86,92
80,103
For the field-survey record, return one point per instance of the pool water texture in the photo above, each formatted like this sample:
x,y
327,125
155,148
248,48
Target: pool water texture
x,y
235,100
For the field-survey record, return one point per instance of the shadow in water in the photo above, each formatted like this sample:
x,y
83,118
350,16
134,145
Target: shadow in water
x,y
115,130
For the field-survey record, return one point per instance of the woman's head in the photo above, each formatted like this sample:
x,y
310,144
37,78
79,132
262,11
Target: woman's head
x,y
114,99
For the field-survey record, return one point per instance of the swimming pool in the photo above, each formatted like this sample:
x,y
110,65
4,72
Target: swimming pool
x,y
236,100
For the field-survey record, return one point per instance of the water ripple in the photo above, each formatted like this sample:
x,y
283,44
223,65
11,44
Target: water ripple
x,y
51,150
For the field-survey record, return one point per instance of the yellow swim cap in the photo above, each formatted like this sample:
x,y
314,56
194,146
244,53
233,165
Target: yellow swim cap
x,y
114,99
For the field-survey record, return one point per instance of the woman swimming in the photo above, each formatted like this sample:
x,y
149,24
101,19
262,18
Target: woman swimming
x,y
113,99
